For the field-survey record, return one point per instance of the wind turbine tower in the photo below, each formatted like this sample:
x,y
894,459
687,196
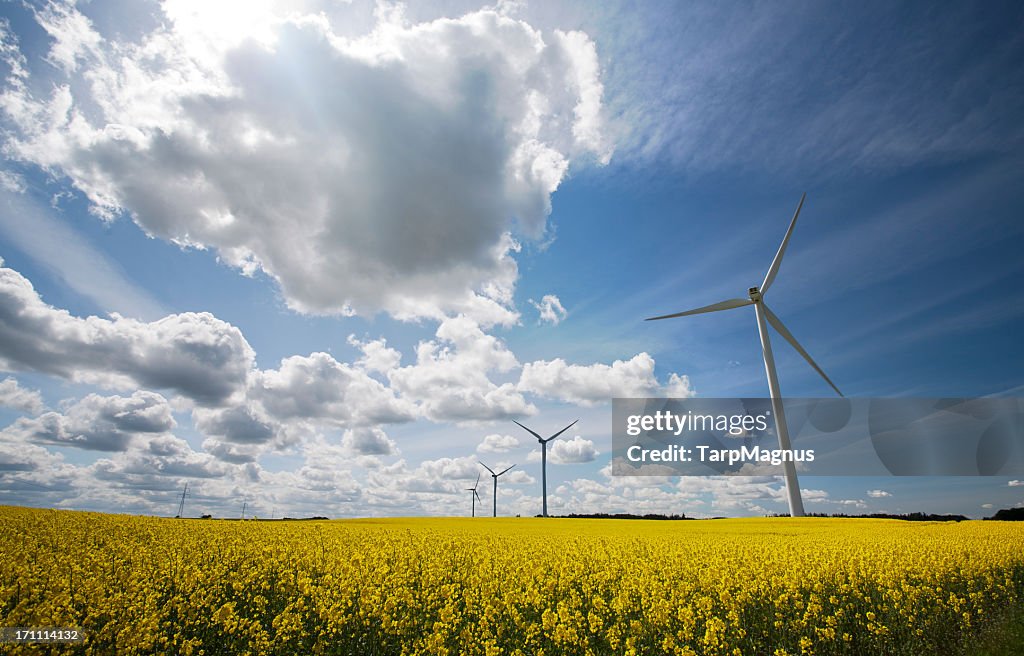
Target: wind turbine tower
x,y
756,298
495,477
475,494
181,504
544,459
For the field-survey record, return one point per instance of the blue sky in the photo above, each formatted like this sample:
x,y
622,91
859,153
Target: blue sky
x,y
316,257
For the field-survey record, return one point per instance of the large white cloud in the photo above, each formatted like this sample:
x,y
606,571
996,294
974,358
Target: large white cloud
x,y
98,423
384,172
497,443
597,383
451,377
443,476
12,395
368,442
574,451
300,400
242,410
195,354
377,355
317,387
516,477
158,464
17,456
233,452
240,424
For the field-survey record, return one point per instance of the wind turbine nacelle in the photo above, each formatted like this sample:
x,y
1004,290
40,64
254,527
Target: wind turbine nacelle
x,y
755,294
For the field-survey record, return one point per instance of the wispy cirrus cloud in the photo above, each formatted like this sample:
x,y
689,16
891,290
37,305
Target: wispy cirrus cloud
x,y
34,230
810,90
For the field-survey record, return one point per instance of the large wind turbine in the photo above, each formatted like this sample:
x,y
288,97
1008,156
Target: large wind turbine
x,y
495,477
475,495
544,458
756,298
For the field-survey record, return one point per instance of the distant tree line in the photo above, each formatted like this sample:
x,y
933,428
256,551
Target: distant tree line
x,y
909,517
1009,515
620,516
1004,515
283,519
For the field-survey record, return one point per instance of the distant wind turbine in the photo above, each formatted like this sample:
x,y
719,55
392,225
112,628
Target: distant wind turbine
x,y
544,458
495,477
475,494
181,506
756,298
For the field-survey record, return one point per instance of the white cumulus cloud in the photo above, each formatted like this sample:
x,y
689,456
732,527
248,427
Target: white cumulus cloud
x,y
591,384
368,442
241,424
195,354
679,387
157,465
516,477
385,172
377,355
318,387
97,423
451,381
12,395
574,451
550,309
497,443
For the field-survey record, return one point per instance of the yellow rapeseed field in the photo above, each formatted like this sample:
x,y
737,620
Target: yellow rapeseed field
x,y
139,585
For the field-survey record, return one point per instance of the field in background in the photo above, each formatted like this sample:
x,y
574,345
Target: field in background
x,y
139,585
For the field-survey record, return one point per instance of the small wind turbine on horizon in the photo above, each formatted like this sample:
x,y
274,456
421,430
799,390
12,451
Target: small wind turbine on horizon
x,y
756,298
475,494
495,477
544,459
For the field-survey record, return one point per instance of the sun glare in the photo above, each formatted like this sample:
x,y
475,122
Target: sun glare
x,y
226,23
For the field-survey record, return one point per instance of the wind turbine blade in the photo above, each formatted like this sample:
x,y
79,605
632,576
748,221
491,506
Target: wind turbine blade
x,y
774,268
777,323
506,469
487,468
714,307
561,431
477,484
478,496
527,430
